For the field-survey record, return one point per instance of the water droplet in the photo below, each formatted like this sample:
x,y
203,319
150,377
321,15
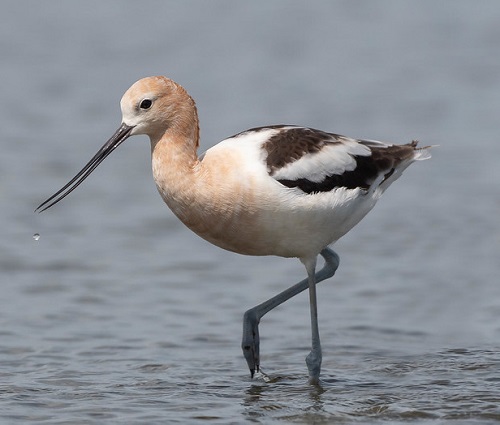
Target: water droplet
x,y
36,236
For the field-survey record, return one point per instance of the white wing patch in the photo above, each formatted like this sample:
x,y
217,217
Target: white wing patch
x,y
333,158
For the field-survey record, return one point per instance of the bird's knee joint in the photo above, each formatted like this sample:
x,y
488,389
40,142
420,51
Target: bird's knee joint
x,y
251,316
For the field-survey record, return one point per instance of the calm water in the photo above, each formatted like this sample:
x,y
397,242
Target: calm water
x,y
118,314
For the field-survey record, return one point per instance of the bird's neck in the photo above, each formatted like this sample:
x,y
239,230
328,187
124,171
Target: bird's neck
x,y
175,146
175,160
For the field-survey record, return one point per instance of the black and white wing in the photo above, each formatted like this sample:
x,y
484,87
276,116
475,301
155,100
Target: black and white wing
x,y
316,161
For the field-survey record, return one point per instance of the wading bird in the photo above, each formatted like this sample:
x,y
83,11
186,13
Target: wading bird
x,y
280,190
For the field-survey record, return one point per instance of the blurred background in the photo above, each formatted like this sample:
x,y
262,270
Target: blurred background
x,y
115,277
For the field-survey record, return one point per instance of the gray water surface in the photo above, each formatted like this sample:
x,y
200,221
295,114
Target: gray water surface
x,y
118,314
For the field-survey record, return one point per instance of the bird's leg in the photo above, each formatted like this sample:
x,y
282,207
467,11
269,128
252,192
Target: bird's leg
x,y
251,318
314,358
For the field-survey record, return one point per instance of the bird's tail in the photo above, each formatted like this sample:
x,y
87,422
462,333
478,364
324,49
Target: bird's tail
x,y
421,154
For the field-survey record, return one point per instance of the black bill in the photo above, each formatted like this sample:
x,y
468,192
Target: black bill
x,y
116,140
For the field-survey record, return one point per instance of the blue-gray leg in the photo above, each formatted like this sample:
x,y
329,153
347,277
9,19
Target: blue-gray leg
x,y
314,358
251,318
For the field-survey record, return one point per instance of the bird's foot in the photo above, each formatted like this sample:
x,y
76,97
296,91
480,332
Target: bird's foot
x,y
313,361
250,341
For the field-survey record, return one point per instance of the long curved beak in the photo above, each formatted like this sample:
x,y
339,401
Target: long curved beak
x,y
116,140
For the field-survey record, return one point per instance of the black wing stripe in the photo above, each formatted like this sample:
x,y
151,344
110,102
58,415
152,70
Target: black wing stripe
x,y
382,161
292,144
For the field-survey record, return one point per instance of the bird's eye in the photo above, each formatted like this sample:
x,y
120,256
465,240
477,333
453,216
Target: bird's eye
x,y
146,104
